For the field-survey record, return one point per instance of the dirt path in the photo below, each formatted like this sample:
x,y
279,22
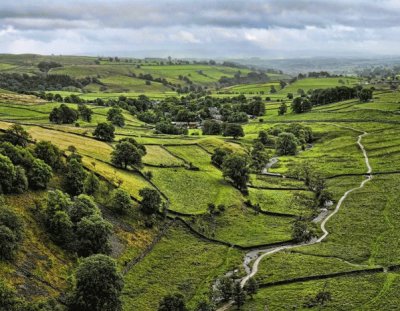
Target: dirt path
x,y
258,254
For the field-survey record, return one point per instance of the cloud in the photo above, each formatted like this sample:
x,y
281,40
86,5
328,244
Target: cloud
x,y
222,28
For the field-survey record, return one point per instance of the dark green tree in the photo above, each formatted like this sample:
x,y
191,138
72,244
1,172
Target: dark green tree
x,y
104,131
74,178
282,109
251,287
218,156
115,116
238,295
17,135
49,153
92,184
173,302
39,174
235,167
286,144
234,130
20,182
63,115
126,154
98,285
224,288
83,206
7,174
92,234
151,200
211,127
121,201
85,113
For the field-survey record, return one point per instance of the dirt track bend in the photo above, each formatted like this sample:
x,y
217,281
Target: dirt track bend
x,y
259,254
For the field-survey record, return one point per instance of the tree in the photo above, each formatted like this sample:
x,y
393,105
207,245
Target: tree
x,y
301,104
17,135
263,138
20,182
211,127
61,227
365,95
63,115
259,157
85,113
173,302
282,109
98,285
39,174
121,201
300,231
92,184
7,174
251,287
273,89
151,200
234,130
218,156
115,116
126,154
224,288
235,167
286,144
11,232
238,295
49,153
92,234
205,306
104,131
83,206
74,178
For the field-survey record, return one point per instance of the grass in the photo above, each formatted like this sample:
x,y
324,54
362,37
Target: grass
x,y
178,263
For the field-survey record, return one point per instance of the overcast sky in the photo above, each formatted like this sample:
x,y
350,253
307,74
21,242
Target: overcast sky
x,y
201,28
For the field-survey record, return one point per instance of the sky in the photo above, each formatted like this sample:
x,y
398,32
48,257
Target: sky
x,y
201,28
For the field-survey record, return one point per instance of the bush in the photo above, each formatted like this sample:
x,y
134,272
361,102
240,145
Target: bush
x,y
39,175
75,176
151,200
7,174
83,206
49,153
92,235
98,285
8,243
121,201
92,184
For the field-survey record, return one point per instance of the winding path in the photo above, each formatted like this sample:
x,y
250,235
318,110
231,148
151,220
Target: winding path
x,y
259,254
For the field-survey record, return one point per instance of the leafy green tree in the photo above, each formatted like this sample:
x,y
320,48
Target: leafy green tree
x,y
20,182
49,153
39,175
263,138
7,174
218,156
224,288
92,234
273,89
17,135
300,231
11,232
74,178
282,109
235,167
126,154
115,116
173,302
259,157
121,201
61,227
211,127
98,285
205,306
234,130
85,112
365,95
8,243
286,144
92,184
83,206
238,295
301,104
151,200
251,287
104,131
63,115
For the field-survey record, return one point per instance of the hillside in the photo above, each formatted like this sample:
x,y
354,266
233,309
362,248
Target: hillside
x,y
319,219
